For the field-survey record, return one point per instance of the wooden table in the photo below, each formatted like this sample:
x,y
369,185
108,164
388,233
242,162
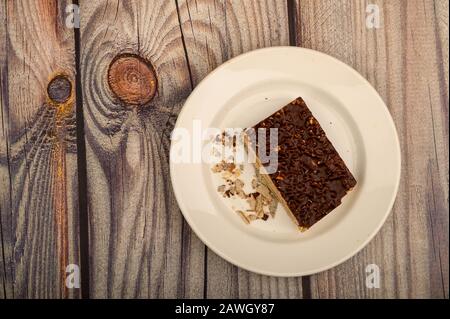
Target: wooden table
x,y
84,176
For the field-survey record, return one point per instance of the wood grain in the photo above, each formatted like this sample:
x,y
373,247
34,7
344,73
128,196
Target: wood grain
x,y
135,224
38,172
3,173
407,62
440,11
215,31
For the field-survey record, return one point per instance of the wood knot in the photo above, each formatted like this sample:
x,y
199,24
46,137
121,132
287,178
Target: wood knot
x,y
59,89
132,79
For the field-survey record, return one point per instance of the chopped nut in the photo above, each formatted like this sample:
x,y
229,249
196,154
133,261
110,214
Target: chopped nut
x,y
259,207
241,194
244,218
230,167
227,175
261,188
267,200
261,202
239,185
254,194
257,173
252,202
273,207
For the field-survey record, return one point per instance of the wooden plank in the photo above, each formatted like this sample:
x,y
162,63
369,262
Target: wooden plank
x,y
441,15
135,224
215,31
406,60
3,182
38,169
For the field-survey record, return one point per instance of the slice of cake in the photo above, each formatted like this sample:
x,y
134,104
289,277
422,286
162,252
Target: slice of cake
x,y
311,178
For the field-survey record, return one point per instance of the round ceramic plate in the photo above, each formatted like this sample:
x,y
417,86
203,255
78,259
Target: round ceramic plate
x,y
250,87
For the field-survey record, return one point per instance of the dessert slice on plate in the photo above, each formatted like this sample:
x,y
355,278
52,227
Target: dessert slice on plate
x,y
311,178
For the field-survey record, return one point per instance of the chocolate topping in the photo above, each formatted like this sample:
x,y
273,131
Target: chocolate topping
x,y
311,177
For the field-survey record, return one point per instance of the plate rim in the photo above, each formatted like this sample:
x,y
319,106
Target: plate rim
x,y
369,238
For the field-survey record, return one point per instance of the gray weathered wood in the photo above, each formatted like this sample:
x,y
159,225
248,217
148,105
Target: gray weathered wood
x,y
3,182
407,62
215,31
440,11
38,170
136,226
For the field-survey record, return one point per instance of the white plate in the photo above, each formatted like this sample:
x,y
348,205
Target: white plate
x,y
250,87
